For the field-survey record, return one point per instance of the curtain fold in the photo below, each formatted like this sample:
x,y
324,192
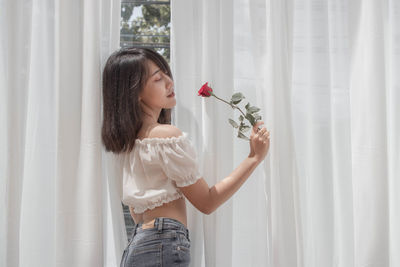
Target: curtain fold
x,y
325,75
57,200
205,55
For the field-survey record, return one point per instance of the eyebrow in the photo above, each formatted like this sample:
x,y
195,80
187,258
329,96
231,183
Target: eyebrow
x,y
155,72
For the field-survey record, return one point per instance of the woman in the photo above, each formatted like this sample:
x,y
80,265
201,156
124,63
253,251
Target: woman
x,y
160,167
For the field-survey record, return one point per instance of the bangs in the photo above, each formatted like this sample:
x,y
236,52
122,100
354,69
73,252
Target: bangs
x,y
160,62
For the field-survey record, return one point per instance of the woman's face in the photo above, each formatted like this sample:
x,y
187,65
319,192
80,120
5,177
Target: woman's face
x,y
158,92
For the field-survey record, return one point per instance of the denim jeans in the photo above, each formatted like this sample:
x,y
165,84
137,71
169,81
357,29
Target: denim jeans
x,y
166,243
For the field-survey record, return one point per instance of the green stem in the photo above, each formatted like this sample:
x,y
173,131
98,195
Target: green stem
x,y
221,99
232,105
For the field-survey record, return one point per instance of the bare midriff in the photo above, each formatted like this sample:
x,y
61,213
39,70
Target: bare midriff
x,y
175,210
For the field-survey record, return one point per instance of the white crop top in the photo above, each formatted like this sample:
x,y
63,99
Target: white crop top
x,y
155,168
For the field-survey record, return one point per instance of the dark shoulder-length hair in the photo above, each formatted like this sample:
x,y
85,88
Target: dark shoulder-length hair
x,y
124,77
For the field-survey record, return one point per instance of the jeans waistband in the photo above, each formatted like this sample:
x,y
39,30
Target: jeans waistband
x,y
161,223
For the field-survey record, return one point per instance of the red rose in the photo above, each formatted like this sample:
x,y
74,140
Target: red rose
x,y
205,90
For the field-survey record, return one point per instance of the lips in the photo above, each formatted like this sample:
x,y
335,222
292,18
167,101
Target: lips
x,y
171,95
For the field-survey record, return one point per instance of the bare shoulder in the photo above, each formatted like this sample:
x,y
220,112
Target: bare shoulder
x,y
165,131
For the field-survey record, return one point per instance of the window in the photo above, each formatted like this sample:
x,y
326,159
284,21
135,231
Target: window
x,y
145,24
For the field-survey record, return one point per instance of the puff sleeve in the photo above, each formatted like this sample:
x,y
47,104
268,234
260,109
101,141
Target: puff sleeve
x,y
179,161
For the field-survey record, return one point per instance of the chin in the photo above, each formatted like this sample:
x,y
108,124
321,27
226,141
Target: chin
x,y
172,104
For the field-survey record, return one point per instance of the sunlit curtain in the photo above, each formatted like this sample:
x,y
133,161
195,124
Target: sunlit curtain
x,y
326,75
55,204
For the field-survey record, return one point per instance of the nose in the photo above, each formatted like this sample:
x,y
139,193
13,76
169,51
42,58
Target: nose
x,y
170,82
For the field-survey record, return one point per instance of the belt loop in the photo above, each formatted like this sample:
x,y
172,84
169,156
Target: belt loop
x,y
160,225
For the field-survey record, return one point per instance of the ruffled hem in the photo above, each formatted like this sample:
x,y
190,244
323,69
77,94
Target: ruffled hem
x,y
159,202
159,140
189,180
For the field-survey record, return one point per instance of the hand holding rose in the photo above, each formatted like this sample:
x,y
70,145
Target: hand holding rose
x,y
259,142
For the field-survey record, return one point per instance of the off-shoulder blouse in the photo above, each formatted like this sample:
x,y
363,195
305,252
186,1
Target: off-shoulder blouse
x,y
155,168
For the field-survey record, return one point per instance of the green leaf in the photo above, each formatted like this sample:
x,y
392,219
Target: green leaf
x,y
241,118
247,106
253,109
233,123
250,118
240,135
236,98
257,117
244,128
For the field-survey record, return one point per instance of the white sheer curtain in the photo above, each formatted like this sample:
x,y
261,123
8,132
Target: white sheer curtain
x,y
55,206
327,77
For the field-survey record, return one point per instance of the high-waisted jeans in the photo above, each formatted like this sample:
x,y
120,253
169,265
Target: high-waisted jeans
x,y
166,243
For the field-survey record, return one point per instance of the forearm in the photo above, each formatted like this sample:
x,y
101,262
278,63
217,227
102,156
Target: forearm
x,y
224,189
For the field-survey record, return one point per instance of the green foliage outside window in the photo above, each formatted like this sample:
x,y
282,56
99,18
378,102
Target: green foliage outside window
x,y
151,28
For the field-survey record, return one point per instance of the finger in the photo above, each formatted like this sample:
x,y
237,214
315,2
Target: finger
x,y
263,136
262,131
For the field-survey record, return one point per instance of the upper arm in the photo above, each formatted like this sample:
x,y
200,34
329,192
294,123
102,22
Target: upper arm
x,y
199,195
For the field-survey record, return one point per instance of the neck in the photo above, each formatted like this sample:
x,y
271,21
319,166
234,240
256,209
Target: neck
x,y
150,116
